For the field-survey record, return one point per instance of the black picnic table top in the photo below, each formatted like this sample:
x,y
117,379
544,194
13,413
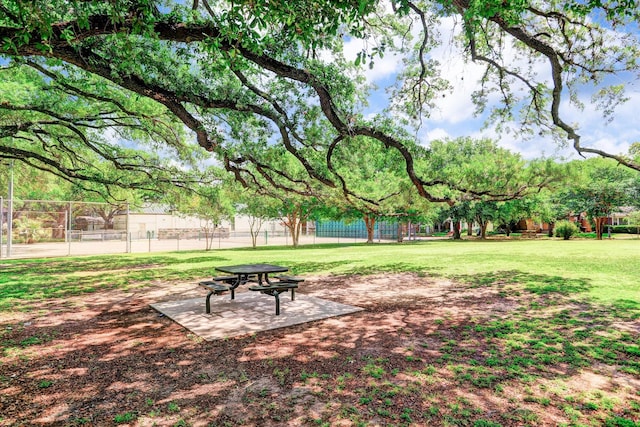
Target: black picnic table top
x,y
252,269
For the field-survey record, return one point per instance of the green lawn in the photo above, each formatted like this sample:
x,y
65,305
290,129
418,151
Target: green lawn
x,y
606,270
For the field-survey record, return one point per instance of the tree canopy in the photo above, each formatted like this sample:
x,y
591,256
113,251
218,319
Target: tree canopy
x,y
247,75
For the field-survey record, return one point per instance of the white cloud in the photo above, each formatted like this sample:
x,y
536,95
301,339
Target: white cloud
x,y
437,134
614,136
383,68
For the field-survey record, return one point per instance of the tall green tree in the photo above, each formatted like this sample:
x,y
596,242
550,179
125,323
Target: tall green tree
x,y
480,180
549,206
257,208
290,193
372,182
600,187
211,203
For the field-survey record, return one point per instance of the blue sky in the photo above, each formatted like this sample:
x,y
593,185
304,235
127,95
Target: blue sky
x,y
455,113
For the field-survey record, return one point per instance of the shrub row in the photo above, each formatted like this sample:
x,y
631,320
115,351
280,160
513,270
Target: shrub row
x,y
630,229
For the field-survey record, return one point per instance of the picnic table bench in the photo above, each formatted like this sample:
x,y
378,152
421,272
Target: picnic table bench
x,y
289,279
214,288
275,290
530,233
224,279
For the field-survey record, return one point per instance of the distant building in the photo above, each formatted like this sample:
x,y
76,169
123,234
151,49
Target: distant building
x,y
159,221
621,216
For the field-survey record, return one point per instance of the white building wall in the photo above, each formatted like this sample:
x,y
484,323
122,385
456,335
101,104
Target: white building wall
x,y
140,224
241,225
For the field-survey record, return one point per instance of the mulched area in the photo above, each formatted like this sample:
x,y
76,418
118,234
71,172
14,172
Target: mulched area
x,y
109,359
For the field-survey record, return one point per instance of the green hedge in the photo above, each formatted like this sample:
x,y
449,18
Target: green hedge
x,y
630,229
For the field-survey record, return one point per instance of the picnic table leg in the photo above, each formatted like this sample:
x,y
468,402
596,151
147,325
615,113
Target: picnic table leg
x,y
293,294
277,295
233,287
208,303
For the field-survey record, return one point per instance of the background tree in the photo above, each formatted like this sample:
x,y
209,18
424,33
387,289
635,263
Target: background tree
x,y
549,205
372,182
258,208
478,176
295,196
295,211
458,213
600,187
37,192
210,203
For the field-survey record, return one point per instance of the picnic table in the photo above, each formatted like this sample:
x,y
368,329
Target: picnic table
x,y
254,273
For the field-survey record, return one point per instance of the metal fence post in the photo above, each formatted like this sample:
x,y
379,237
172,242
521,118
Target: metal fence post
x,y
1,221
69,218
10,212
128,235
66,233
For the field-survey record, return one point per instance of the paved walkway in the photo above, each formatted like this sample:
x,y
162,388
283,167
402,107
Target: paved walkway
x,y
248,313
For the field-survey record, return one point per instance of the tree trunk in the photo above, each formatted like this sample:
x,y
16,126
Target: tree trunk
x,y
58,231
552,225
208,236
369,222
469,228
456,230
600,227
296,236
255,224
483,229
400,233
293,222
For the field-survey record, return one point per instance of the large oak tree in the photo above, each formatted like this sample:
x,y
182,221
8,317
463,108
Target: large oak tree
x,y
245,75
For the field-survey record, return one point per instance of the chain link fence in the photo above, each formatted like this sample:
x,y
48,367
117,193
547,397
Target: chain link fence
x,y
46,229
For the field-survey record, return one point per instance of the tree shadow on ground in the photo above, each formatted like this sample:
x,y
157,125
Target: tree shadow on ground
x,y
463,354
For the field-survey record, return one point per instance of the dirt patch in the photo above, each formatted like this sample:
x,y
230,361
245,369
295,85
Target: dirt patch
x,y
425,351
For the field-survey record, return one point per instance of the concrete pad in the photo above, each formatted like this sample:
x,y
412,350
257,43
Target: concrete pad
x,y
248,313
